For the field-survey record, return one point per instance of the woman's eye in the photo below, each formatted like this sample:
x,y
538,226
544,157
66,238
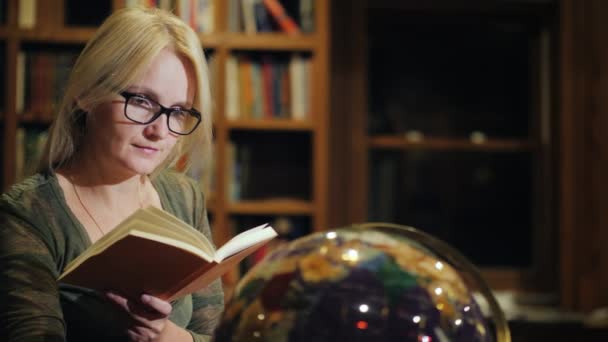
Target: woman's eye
x,y
179,113
141,101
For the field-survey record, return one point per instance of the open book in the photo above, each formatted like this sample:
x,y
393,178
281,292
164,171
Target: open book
x,y
155,252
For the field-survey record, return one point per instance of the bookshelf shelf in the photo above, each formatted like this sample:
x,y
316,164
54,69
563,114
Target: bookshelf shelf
x,y
71,35
272,207
33,118
435,143
258,41
270,125
269,41
210,40
232,41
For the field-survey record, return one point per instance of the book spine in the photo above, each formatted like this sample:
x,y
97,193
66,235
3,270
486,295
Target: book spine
x,y
307,18
245,91
297,87
285,22
20,86
206,16
257,89
27,14
232,88
262,20
267,82
235,17
248,16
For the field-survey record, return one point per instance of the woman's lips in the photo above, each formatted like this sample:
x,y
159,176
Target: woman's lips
x,y
146,149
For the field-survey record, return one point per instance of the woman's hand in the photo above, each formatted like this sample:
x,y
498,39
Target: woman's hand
x,y
150,316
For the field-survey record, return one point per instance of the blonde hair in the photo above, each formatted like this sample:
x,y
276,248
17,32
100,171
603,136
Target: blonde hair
x,y
117,55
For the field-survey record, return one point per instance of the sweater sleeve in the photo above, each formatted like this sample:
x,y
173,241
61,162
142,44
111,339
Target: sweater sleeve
x,y
208,303
30,309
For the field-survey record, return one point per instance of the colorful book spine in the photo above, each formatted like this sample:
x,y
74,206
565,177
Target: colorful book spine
x,y
285,22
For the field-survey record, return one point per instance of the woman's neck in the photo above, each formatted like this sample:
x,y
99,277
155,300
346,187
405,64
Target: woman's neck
x,y
101,205
108,186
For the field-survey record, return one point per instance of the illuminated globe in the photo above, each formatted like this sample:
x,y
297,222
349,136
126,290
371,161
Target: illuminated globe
x,y
372,282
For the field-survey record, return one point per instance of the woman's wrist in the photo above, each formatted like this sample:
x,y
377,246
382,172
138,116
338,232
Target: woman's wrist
x,y
173,332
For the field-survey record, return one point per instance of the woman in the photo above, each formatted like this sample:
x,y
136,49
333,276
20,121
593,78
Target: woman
x,y
128,114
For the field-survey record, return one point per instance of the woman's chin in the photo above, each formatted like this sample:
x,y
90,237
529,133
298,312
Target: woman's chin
x,y
142,168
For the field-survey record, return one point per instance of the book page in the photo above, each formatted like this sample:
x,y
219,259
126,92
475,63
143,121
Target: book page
x,y
191,235
245,239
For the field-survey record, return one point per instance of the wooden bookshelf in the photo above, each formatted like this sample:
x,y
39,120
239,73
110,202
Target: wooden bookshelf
x,y
63,36
430,142
50,31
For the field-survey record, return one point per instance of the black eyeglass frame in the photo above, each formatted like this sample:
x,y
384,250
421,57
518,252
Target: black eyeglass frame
x,y
163,110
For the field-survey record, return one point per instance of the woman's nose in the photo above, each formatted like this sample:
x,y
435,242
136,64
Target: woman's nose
x,y
157,129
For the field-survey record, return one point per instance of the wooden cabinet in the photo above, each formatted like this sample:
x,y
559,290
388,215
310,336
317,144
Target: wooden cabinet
x,y
558,131
451,117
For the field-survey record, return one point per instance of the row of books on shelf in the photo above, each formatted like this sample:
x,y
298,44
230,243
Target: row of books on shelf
x,y
258,86
288,16
41,78
199,14
250,16
268,86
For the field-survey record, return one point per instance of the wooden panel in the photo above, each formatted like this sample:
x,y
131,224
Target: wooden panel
x,y
210,40
272,207
504,279
584,154
470,6
269,41
320,108
348,147
448,144
277,124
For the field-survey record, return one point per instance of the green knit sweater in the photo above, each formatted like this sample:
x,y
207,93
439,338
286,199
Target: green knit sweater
x,y
39,236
